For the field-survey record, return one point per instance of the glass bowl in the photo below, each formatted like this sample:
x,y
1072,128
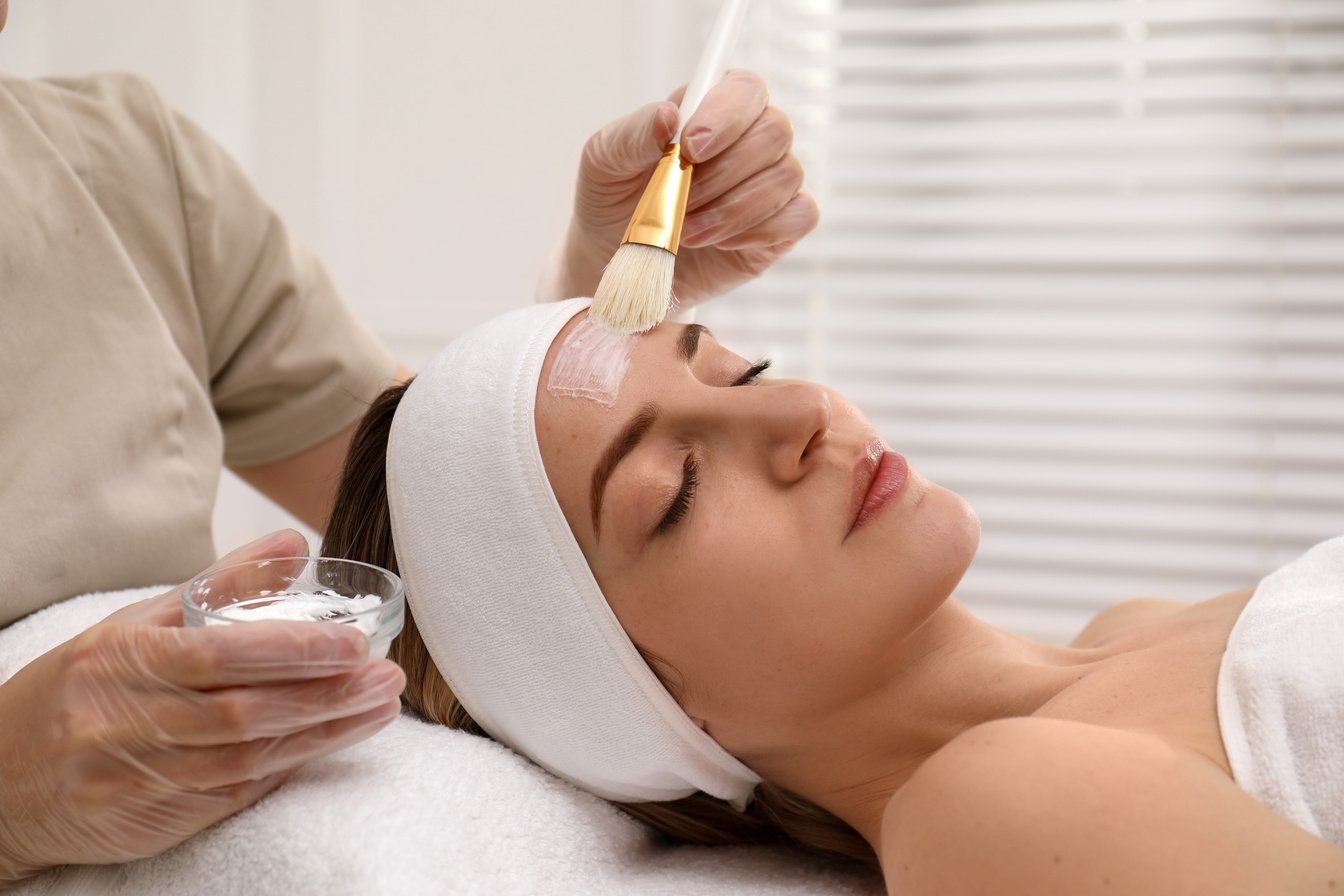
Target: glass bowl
x,y
310,589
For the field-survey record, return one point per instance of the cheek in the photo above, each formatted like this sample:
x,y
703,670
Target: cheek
x,y
732,604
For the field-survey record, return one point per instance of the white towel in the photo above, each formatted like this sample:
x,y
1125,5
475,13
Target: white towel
x,y
1281,692
419,809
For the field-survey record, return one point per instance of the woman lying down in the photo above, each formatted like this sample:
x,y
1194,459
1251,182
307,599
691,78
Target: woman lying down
x,y
720,601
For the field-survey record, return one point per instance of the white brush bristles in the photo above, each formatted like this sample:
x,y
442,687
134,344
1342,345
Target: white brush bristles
x,y
635,292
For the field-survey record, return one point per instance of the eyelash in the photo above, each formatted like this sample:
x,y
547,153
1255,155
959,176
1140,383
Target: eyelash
x,y
753,372
690,477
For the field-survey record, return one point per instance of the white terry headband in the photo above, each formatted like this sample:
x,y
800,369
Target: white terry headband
x,y
502,594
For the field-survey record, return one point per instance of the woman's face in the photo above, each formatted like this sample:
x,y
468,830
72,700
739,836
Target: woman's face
x,y
718,515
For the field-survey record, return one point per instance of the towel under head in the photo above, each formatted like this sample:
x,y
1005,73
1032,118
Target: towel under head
x,y
500,590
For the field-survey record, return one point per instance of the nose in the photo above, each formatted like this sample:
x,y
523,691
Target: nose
x,y
789,421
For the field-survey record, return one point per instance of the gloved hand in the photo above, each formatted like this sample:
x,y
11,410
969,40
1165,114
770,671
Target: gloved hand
x,y
137,733
745,208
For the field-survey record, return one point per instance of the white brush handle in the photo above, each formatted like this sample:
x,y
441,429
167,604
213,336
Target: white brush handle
x,y
713,59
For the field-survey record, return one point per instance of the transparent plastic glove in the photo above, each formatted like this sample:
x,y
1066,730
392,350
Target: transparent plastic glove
x,y
137,733
746,207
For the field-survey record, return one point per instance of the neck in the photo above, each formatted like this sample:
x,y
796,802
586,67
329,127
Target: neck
x,y
953,673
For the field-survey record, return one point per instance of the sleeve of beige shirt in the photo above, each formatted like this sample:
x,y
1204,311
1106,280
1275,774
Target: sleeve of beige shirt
x,y
289,364
291,369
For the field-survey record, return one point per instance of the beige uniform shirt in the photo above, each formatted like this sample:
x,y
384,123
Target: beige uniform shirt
x,y
156,322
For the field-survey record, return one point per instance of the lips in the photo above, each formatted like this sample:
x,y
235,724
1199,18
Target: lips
x,y
879,476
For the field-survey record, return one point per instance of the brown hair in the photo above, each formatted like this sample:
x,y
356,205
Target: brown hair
x,y
361,529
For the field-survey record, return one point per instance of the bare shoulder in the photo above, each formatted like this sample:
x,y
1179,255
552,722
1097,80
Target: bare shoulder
x,y
1044,806
1126,614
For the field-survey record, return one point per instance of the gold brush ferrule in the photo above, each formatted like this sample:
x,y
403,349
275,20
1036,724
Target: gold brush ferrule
x,y
657,218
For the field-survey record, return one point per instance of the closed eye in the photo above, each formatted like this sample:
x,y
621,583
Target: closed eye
x,y
752,373
681,503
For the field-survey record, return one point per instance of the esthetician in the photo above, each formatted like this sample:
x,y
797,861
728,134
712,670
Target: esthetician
x,y
159,322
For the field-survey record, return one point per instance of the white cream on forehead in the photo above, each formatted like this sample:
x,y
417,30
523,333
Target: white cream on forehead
x,y
591,363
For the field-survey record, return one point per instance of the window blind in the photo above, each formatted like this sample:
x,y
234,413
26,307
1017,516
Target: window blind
x,y
1082,261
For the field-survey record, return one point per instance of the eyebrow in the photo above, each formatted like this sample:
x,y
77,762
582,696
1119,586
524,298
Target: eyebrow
x,y
628,438
689,343
625,442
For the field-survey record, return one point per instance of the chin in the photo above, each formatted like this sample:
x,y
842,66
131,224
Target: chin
x,y
967,536
948,535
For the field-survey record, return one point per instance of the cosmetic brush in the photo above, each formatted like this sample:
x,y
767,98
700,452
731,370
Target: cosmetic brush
x,y
635,292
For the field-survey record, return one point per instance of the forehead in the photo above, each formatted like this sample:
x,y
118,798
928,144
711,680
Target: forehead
x,y
555,407
573,431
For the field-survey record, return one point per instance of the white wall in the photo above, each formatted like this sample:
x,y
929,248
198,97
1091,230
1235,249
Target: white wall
x,y
425,149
